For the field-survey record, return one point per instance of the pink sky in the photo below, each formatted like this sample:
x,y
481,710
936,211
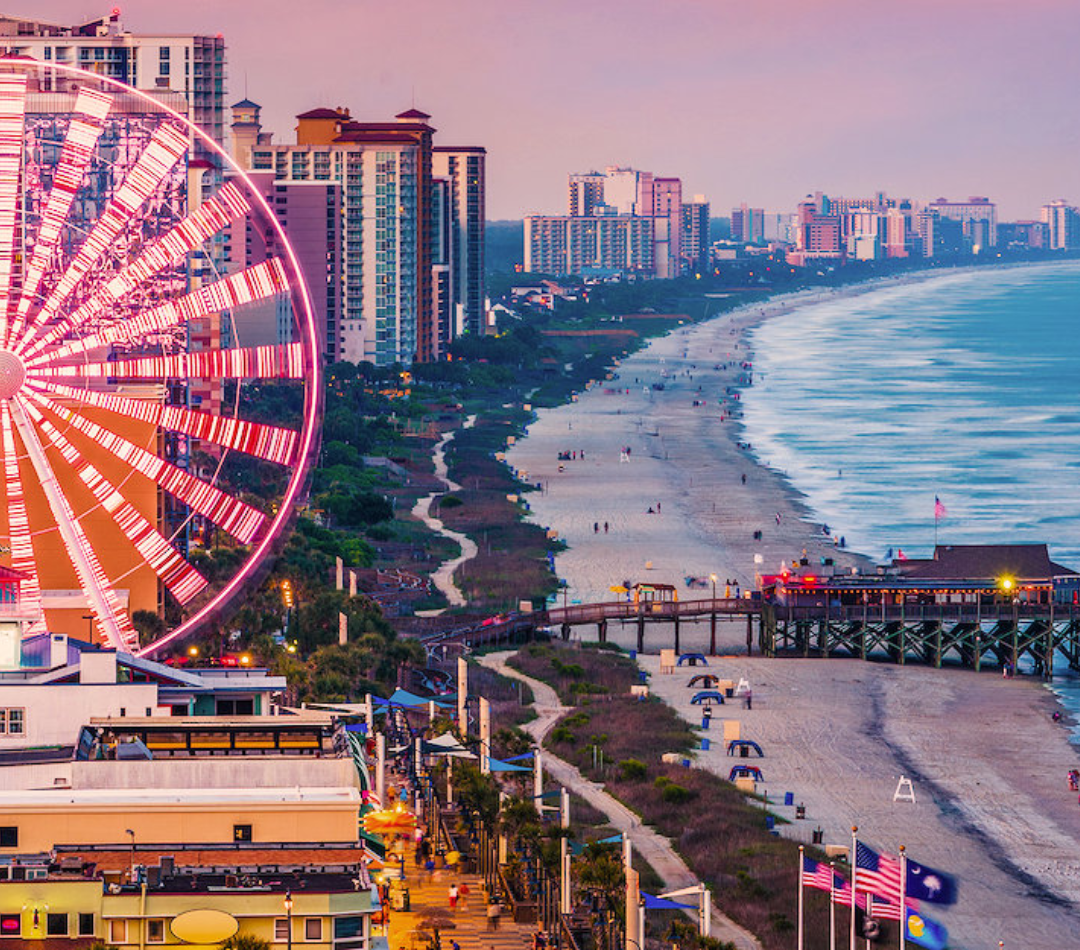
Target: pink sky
x,y
746,100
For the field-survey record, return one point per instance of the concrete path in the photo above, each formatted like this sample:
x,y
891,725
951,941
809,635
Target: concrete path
x,y
654,848
443,578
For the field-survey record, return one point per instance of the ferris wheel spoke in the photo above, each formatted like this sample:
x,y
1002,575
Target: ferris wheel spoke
x,y
110,618
258,362
212,217
260,440
244,287
232,515
166,147
75,155
22,547
12,121
182,580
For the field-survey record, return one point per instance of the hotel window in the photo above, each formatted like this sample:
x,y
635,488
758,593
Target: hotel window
x,y
241,832
281,930
313,928
155,931
13,721
10,925
86,925
117,931
56,925
9,836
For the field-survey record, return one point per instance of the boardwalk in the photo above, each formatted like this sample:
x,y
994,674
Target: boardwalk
x,y
429,904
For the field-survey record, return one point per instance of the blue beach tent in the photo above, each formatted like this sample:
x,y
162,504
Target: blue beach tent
x,y
746,771
707,696
743,747
704,680
693,659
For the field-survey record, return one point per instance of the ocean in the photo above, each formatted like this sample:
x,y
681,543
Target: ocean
x,y
963,387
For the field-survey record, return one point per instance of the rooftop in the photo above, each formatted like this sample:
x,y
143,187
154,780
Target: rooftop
x,y
87,797
955,561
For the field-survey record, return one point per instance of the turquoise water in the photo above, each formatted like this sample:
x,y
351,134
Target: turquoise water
x,y
965,386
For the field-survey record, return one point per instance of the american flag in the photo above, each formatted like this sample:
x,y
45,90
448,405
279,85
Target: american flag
x,y
939,509
878,874
815,874
882,909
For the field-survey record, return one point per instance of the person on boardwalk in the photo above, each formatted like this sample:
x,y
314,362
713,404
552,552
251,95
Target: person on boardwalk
x,y
493,911
463,895
453,894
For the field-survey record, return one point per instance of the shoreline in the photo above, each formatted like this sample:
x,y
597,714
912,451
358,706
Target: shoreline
x,y
999,816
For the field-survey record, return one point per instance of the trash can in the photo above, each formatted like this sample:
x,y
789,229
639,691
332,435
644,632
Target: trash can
x,y
770,822
705,722
744,751
818,836
789,798
729,692
705,744
800,811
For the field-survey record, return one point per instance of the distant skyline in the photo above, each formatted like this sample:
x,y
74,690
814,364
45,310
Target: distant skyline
x,y
761,101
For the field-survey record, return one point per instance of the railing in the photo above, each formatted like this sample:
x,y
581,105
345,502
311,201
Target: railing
x,y
657,609
916,613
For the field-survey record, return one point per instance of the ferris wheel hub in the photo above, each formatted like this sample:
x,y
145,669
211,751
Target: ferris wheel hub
x,y
12,374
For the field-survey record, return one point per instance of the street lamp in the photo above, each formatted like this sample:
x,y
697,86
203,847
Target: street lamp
x,y
131,873
712,577
288,918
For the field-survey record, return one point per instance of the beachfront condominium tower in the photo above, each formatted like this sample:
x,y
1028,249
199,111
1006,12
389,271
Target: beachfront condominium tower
x,y
585,193
186,70
1062,222
463,169
695,234
977,217
381,248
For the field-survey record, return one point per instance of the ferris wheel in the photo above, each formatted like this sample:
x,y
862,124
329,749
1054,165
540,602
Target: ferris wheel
x,y
146,290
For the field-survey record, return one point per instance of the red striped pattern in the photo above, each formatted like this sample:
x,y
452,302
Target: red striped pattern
x,y
12,115
210,218
22,548
79,144
247,286
158,158
230,514
88,569
259,362
272,443
183,580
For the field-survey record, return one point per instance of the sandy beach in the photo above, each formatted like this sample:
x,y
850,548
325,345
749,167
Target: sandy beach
x,y
988,763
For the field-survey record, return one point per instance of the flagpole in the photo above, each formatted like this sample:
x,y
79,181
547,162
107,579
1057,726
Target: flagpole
x,y
854,876
801,862
903,898
832,905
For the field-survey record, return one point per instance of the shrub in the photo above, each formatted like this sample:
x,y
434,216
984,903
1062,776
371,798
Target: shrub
x,y
675,794
633,770
562,734
451,501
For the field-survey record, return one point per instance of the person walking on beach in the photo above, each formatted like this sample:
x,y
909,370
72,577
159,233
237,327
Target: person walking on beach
x,y
596,527
605,527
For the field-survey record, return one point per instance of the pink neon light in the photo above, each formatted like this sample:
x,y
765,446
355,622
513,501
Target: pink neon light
x,y
166,147
75,155
12,114
272,443
230,514
211,217
22,548
244,287
84,559
183,580
259,362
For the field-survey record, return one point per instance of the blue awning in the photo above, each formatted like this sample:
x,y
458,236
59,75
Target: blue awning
x,y
662,903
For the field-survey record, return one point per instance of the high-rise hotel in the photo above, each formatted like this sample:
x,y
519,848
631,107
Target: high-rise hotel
x,y
388,227
620,221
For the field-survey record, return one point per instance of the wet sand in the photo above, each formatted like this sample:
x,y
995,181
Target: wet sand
x,y
988,764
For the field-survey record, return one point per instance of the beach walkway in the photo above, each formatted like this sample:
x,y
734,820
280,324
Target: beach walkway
x,y
429,908
443,578
653,848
